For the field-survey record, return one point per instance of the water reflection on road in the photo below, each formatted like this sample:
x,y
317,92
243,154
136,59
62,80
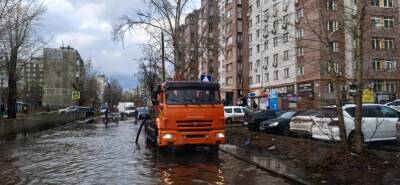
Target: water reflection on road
x,y
94,154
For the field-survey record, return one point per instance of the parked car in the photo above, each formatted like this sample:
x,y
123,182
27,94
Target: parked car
x,y
302,124
280,125
67,109
379,123
254,120
87,110
141,113
235,114
394,104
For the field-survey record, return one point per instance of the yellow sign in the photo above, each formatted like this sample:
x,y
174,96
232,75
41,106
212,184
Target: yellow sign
x,y
368,96
76,95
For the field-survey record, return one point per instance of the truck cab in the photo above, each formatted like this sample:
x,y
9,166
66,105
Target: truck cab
x,y
187,113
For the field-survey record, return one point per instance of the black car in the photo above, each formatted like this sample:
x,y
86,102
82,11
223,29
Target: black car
x,y
281,124
253,121
88,111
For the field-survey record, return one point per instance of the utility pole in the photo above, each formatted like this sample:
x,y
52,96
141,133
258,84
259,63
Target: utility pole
x,y
163,56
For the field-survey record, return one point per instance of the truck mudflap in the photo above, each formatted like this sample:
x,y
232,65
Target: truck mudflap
x,y
176,138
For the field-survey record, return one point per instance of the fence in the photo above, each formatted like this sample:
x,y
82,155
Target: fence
x,y
34,122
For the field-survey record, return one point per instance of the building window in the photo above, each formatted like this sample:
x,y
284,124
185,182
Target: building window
x,y
258,3
276,58
300,71
258,48
332,26
250,66
330,87
229,81
330,5
388,21
300,51
250,52
275,41
257,19
299,13
266,45
300,33
333,46
390,65
389,44
285,37
258,78
286,73
333,67
251,80
266,77
258,34
286,55
276,75
388,3
250,37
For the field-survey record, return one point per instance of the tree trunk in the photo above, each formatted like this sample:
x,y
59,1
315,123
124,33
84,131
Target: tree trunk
x,y
342,127
12,84
359,78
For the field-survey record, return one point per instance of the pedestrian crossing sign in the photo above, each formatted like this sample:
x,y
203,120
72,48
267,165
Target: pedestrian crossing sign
x,y
76,95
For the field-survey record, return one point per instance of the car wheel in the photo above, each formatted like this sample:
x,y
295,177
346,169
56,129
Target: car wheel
x,y
228,121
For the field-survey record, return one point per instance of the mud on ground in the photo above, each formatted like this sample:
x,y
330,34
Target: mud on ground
x,y
322,163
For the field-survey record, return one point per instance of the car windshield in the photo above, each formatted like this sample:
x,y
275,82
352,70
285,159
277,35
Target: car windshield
x,y
288,115
192,97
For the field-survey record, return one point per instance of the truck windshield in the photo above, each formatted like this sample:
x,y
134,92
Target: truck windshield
x,y
176,97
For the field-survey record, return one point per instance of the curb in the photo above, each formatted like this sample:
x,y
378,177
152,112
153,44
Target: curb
x,y
291,177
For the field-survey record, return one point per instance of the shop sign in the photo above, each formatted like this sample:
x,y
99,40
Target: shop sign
x,y
281,90
367,96
305,88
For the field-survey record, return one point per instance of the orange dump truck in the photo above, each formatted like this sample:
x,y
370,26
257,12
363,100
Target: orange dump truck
x,y
187,113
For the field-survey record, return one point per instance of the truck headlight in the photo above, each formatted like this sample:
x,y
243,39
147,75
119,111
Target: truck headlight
x,y
168,136
220,135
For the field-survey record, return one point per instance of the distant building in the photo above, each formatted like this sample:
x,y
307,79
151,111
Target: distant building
x,y
102,84
63,74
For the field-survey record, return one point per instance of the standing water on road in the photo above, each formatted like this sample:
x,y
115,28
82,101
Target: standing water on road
x,y
95,154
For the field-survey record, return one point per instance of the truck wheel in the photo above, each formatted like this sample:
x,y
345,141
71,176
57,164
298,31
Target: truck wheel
x,y
213,149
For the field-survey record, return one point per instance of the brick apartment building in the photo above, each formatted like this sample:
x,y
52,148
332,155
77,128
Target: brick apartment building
x,y
326,29
208,38
233,58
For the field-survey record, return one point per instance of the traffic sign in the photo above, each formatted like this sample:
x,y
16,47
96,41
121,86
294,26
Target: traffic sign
x,y
76,95
205,78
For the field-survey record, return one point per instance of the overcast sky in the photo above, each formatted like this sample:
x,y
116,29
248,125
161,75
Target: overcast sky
x,y
86,25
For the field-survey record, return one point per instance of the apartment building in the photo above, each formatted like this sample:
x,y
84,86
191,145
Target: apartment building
x,y
208,38
63,73
233,57
272,52
29,81
191,46
326,45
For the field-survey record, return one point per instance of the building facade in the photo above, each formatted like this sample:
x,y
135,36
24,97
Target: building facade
x,y
63,74
208,38
272,52
233,59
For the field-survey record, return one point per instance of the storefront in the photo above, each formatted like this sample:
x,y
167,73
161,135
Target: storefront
x,y
305,92
282,98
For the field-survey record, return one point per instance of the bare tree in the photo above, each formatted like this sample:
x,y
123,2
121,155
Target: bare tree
x,y
113,93
18,39
163,15
149,72
90,91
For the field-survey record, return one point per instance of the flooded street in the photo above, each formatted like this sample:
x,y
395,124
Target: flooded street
x,y
95,154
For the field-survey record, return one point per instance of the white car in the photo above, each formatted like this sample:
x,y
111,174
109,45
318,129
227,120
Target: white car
x,y
235,114
303,123
68,109
394,104
379,123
